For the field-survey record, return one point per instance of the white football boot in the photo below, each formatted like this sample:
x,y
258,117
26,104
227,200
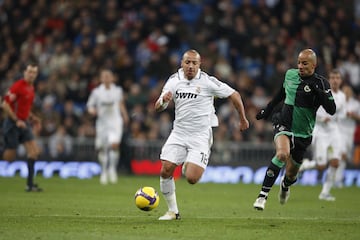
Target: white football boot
x,y
169,215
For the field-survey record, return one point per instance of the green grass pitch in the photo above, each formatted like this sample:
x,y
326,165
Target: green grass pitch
x,y
83,209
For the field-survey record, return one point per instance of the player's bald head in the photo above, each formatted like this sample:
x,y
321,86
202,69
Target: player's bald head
x,y
309,55
192,54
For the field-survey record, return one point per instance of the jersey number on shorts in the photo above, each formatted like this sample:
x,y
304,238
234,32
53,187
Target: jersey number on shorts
x,y
204,158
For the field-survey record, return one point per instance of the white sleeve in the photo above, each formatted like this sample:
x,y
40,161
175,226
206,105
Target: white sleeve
x,y
121,94
91,103
169,86
341,114
220,89
321,114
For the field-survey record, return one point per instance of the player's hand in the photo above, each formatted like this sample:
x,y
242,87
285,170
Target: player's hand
x,y
244,124
167,97
315,87
20,123
263,114
92,112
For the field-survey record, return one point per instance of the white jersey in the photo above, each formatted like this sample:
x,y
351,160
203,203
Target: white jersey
x,y
323,127
327,138
194,100
349,124
107,105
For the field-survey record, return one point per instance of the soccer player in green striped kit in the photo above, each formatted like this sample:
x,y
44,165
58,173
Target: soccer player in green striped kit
x,y
302,93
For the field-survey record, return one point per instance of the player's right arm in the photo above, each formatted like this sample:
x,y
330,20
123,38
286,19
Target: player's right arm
x,y
10,113
9,98
266,112
163,101
166,95
91,104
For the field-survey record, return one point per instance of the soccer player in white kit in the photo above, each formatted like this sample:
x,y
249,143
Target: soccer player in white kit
x,y
106,103
347,127
190,140
328,140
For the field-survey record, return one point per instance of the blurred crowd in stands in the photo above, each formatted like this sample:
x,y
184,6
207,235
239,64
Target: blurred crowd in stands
x,y
247,43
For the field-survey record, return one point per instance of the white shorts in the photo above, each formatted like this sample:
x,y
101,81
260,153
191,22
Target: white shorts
x,y
105,139
327,147
195,148
348,140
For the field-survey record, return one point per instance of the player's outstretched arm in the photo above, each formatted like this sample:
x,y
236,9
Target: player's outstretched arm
x,y
325,96
267,111
238,104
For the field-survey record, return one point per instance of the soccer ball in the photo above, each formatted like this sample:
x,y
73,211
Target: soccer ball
x,y
146,198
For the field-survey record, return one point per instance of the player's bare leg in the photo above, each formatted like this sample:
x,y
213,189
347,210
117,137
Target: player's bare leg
x,y
192,172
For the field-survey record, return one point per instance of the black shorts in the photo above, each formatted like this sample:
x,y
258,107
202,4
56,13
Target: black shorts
x,y
298,145
13,135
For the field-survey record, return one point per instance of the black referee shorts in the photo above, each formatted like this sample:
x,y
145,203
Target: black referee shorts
x,y
14,136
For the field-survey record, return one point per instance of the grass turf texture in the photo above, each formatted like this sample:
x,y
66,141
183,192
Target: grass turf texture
x,y
83,209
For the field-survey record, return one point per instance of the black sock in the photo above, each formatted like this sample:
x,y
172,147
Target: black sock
x,y
31,170
287,183
270,177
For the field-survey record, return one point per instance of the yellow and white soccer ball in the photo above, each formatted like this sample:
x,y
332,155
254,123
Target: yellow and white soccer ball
x,y
147,198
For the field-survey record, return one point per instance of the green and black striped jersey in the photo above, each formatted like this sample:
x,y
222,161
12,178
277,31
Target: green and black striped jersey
x,y
302,97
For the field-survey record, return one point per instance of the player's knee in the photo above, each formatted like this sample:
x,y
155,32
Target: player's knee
x,y
167,169
34,154
165,172
193,173
9,155
282,156
192,179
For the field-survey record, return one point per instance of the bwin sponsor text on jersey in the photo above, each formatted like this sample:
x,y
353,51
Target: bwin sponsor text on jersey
x,y
185,95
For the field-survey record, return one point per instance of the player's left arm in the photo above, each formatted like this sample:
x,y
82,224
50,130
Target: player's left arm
x,y
355,115
323,93
222,90
124,112
235,97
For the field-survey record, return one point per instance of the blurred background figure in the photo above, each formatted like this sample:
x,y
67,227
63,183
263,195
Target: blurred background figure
x,y
106,103
61,145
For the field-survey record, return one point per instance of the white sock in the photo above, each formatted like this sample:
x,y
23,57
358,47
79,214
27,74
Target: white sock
x,y
167,187
264,193
329,181
103,160
308,164
113,159
340,172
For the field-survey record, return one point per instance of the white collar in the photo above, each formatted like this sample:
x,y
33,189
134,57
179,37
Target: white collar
x,y
103,86
182,75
